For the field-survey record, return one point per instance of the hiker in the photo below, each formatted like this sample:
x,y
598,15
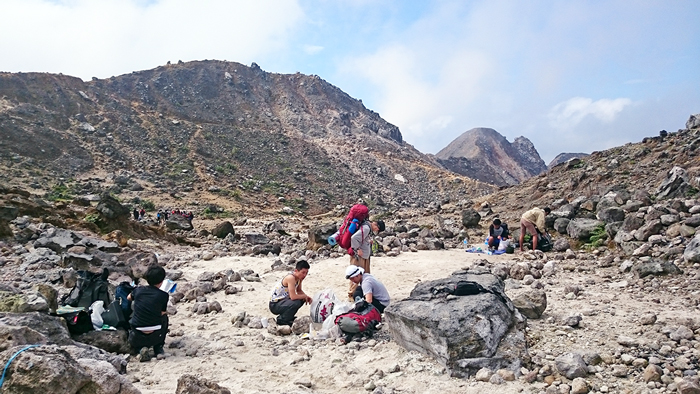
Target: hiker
x,y
498,231
361,243
136,214
142,213
288,296
368,287
149,321
532,221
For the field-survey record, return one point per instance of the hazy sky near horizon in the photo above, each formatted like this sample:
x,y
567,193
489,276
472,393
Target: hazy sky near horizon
x,y
571,76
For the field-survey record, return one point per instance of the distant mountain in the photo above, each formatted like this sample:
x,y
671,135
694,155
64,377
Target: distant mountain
x,y
486,155
211,132
563,157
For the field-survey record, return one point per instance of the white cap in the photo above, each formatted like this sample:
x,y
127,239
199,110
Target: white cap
x,y
353,271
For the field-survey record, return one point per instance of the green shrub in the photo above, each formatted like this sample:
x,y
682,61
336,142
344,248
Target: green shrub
x,y
92,218
597,238
148,205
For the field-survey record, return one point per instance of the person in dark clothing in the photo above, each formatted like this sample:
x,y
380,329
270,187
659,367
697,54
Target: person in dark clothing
x,y
287,295
497,232
136,214
149,321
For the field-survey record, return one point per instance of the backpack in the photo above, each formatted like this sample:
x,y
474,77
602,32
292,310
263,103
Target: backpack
x,y
120,294
544,242
358,214
89,288
77,319
362,320
467,287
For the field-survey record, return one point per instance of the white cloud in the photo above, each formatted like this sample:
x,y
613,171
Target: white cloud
x,y
88,38
571,112
312,49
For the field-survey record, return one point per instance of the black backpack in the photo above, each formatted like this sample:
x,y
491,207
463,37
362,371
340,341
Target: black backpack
x,y
544,242
89,288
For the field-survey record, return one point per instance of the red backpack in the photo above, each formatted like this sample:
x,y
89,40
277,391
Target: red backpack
x,y
357,215
355,322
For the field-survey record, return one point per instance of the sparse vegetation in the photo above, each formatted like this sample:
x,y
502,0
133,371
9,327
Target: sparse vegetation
x,y
597,238
148,205
61,192
92,218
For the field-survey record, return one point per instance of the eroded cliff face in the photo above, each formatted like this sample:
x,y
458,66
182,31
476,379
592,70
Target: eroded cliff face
x,y
486,155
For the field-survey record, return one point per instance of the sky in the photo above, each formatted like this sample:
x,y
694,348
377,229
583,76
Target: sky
x,y
571,76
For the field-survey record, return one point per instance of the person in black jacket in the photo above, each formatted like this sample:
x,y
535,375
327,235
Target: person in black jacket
x,y
149,321
497,231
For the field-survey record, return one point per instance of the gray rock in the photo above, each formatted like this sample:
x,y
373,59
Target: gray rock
x,y
531,303
611,214
560,225
256,238
571,365
692,251
648,229
582,229
464,333
675,184
656,268
470,218
187,384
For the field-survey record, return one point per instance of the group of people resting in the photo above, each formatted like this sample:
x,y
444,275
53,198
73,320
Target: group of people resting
x,y
288,295
531,221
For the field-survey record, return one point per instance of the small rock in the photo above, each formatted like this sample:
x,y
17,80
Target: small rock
x,y
483,375
620,371
647,319
579,386
652,373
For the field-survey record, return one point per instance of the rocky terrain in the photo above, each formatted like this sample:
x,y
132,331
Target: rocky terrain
x,y
486,155
612,309
562,157
210,133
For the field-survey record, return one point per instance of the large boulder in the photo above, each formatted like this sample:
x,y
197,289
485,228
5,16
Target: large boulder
x,y
223,229
318,236
178,222
611,214
693,122
111,209
470,218
43,369
675,185
112,341
582,229
463,333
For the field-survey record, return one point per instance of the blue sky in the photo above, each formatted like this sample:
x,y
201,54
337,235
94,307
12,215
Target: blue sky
x,y
572,76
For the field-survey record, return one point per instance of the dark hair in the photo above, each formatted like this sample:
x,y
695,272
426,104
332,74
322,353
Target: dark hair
x,y
547,210
497,222
381,225
301,264
154,274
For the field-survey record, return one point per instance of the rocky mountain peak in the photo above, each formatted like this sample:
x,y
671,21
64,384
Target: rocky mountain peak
x,y
486,155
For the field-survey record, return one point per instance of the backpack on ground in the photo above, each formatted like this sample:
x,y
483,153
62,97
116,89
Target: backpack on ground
x,y
120,294
465,288
77,319
544,241
90,287
362,320
356,217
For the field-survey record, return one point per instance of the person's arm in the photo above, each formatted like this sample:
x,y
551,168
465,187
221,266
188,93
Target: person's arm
x,y
300,291
491,230
290,281
540,222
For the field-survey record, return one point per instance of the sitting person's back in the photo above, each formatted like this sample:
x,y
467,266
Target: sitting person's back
x,y
149,321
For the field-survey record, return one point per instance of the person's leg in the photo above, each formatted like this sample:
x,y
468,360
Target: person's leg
x,y
534,240
286,309
378,305
523,228
160,336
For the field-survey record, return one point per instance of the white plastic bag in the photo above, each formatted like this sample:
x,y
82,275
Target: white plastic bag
x,y
97,309
503,244
322,305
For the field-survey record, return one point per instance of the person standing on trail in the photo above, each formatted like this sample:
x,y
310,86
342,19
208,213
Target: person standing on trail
x,y
361,243
532,221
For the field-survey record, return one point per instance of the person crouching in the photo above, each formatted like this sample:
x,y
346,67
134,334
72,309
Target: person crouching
x,y
288,296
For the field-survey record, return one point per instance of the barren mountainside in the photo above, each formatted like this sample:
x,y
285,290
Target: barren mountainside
x,y
486,155
211,132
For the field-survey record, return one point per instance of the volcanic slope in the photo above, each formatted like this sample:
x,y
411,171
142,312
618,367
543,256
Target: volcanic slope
x,y
212,132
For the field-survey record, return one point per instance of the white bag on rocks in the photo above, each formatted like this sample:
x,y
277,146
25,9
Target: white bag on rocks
x,y
322,305
503,245
97,309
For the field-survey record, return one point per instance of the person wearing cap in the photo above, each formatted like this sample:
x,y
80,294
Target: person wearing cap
x,y
368,287
532,221
361,244
287,295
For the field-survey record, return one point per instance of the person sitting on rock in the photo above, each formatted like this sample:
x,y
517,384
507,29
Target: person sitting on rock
x,y
532,221
361,244
288,296
149,321
497,231
368,287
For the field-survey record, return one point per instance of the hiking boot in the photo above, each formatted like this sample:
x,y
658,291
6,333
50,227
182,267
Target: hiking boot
x,y
144,355
160,353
